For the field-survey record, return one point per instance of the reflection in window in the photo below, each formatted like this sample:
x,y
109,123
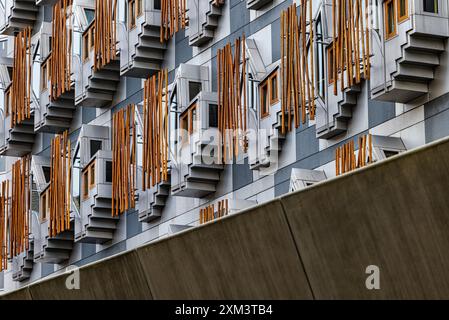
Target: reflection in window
x,y
76,182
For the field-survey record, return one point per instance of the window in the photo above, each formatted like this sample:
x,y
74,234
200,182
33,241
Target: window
x,y
88,41
88,179
431,6
320,58
274,89
108,171
330,64
47,173
157,4
189,122
402,10
194,89
7,101
184,126
86,184
264,107
269,93
44,75
213,116
139,7
45,208
50,44
132,13
86,46
95,145
390,19
90,15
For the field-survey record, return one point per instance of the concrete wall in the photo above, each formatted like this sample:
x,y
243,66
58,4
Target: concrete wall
x,y
394,214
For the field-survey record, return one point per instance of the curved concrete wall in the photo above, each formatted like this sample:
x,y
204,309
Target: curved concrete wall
x,y
315,244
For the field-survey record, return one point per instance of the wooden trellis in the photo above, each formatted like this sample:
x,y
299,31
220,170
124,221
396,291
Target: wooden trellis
x,y
346,160
155,132
21,78
232,109
60,60
19,227
351,43
173,18
105,37
123,160
4,225
60,184
208,214
297,78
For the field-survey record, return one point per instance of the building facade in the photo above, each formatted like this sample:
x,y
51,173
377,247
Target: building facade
x,y
126,121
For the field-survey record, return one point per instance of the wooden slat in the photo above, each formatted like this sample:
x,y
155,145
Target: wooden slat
x,y
173,18
124,162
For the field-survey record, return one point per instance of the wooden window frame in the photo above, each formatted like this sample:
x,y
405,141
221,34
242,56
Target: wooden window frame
x,y
139,8
398,7
264,112
330,64
132,13
86,44
44,206
7,101
92,38
268,82
44,75
191,128
389,34
88,179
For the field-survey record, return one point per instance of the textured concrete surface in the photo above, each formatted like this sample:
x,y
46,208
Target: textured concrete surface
x,y
314,244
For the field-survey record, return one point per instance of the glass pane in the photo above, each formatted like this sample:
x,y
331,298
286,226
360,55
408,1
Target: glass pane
x,y
213,116
274,88
431,6
391,25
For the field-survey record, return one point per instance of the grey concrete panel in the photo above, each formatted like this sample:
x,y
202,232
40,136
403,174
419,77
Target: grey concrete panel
x,y
245,256
22,294
120,277
394,215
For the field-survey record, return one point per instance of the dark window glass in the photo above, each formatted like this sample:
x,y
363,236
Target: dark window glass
x,y
90,15
47,173
431,6
194,89
95,145
213,116
108,171
157,4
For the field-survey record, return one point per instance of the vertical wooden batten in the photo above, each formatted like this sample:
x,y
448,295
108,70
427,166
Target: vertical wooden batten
x,y
105,38
124,163
155,131
21,78
60,59
60,184
19,224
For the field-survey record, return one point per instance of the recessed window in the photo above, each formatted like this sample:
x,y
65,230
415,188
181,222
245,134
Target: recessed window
x,y
390,153
431,6
402,10
92,38
330,64
86,184
139,7
95,146
44,75
90,15
194,89
390,19
269,93
213,116
157,4
45,206
264,107
92,176
108,171
7,101
47,173
132,13
86,46
189,122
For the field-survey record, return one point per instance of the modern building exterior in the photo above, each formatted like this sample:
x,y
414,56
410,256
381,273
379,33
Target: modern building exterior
x,y
126,121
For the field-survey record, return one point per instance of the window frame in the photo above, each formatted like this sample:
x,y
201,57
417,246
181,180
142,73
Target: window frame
x,y
88,42
330,64
436,6
187,118
398,9
44,74
44,211
88,179
7,101
269,100
132,14
389,34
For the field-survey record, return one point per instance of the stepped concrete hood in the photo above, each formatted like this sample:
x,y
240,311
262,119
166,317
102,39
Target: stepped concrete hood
x,y
393,214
